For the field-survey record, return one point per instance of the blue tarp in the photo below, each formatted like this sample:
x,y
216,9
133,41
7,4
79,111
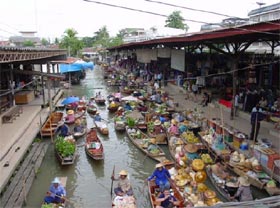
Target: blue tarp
x,y
77,66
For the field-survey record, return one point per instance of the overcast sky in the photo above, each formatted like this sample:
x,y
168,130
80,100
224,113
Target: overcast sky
x,y
50,18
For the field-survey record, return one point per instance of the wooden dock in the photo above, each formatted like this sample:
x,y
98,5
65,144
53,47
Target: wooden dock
x,y
20,184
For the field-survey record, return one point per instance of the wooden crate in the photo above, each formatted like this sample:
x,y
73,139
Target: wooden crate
x,y
24,97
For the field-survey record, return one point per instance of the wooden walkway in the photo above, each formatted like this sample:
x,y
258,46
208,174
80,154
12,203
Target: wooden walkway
x,y
16,192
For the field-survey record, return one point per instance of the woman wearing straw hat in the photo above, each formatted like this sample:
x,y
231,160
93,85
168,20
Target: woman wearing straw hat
x,y
244,192
55,193
161,176
191,151
78,126
124,186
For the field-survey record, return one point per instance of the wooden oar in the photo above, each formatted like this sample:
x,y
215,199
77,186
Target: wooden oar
x,y
113,175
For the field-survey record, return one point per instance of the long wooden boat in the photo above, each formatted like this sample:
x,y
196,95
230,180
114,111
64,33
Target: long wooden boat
x,y
93,146
113,107
100,100
63,181
154,194
220,187
102,127
161,138
120,124
91,109
51,125
69,159
141,141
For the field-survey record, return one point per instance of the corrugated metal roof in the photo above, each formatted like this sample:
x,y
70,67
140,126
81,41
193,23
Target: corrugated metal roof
x,y
265,9
215,35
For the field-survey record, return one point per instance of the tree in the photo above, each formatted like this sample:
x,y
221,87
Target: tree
x,y
71,42
102,37
28,43
44,42
88,41
175,20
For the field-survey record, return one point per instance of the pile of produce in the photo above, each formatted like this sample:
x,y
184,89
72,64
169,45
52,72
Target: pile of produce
x,y
65,146
207,159
190,137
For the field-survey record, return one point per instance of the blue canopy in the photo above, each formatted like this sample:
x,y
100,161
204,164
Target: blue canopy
x,y
76,66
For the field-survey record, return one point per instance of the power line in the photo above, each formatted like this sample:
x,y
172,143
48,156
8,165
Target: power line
x,y
162,15
199,10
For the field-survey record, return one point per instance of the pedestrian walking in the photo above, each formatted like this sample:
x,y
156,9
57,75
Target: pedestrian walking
x,y
256,117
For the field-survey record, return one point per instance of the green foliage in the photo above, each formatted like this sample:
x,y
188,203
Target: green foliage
x,y
28,43
44,42
37,140
47,206
64,147
130,122
150,126
71,42
88,41
175,20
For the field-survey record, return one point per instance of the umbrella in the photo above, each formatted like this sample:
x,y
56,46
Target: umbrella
x,y
130,98
71,99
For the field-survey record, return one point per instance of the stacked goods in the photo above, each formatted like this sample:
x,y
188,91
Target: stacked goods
x,y
206,158
190,137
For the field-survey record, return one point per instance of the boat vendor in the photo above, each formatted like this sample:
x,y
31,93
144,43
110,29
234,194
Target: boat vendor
x,y
161,176
70,115
97,117
167,200
219,170
63,129
120,111
191,151
127,106
124,186
78,126
152,145
173,129
55,193
158,129
244,192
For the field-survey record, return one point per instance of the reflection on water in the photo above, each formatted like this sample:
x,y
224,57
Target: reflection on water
x,y
89,181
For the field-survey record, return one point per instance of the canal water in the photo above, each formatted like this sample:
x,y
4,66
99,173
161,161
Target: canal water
x,y
89,182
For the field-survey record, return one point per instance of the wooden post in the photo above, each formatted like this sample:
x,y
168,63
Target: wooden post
x,y
49,88
43,87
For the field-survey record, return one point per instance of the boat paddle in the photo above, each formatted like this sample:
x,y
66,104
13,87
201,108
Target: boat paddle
x,y
112,177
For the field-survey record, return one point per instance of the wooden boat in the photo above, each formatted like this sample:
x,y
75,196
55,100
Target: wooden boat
x,y
51,125
220,187
63,181
91,109
141,140
127,90
154,194
113,107
100,100
68,143
161,138
119,123
123,201
93,146
102,127
78,135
